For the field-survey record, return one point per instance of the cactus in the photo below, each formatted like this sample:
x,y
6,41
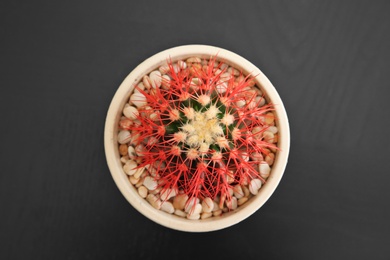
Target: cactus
x,y
200,127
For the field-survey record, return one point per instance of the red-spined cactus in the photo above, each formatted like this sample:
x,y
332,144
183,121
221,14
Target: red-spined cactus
x,y
201,128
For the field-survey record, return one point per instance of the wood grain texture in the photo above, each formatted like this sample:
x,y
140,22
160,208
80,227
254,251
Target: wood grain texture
x,y
62,62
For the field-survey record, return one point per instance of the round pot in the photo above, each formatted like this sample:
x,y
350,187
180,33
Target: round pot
x,y
113,156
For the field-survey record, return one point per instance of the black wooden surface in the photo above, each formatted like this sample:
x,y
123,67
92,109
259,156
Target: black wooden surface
x,y
62,61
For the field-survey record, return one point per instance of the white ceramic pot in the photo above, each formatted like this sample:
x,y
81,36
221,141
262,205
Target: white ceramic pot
x,y
130,192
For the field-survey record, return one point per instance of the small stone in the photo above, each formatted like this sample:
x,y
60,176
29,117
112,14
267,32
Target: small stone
x,y
138,99
139,149
164,69
238,192
182,65
258,157
150,183
166,194
205,215
264,169
125,158
221,87
270,158
167,207
165,82
233,71
268,137
232,203
142,191
193,216
254,186
130,112
155,79
180,213
241,103
125,123
192,202
242,200
139,87
146,81
131,152
194,60
217,213
269,118
273,129
123,149
216,206
124,136
133,180
194,213
154,201
246,191
180,201
130,167
208,205
225,77
139,172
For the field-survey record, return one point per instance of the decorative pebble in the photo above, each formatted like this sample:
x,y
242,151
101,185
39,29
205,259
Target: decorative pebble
x,y
273,129
130,112
238,192
270,158
165,82
222,87
180,201
131,152
241,103
254,186
133,180
166,194
216,206
123,149
164,69
194,213
146,81
138,99
139,87
150,183
139,149
182,65
232,203
125,123
264,169
167,207
258,157
130,167
217,213
207,205
125,158
155,79
268,137
124,136
190,204
142,191
205,215
139,172
194,60
154,201
242,201
180,213
269,118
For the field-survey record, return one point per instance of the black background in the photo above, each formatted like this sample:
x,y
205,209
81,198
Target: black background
x,y
62,61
